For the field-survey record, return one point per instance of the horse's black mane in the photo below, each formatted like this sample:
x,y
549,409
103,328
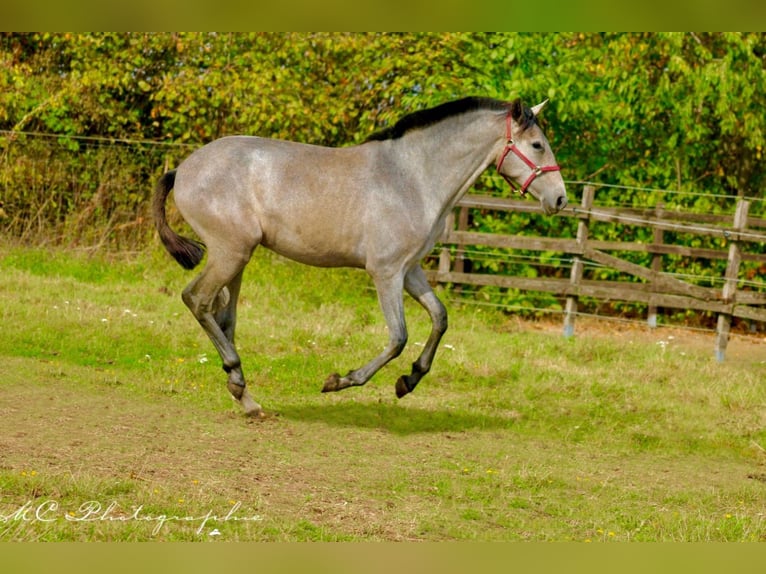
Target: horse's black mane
x,y
430,116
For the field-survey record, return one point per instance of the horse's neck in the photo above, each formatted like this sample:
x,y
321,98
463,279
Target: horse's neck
x,y
451,155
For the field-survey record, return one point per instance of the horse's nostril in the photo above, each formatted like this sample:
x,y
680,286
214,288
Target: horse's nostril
x,y
561,202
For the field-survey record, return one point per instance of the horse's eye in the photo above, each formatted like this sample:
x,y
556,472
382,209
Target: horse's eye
x,y
538,146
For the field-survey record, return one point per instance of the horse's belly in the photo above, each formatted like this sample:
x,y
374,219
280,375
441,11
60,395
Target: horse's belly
x,y
316,246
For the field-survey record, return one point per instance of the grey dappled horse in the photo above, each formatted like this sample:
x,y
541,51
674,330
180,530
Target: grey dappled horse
x,y
380,206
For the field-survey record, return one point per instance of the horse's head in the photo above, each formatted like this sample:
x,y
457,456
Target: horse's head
x,y
531,165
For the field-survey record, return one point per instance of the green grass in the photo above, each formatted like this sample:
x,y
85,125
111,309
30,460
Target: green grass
x,y
112,393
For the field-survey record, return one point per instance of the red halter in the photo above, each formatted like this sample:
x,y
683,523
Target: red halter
x,y
510,146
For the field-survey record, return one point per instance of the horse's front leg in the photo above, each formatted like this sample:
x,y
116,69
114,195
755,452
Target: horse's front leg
x,y
390,298
417,286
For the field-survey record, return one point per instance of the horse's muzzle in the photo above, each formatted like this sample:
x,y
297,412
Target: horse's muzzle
x,y
559,203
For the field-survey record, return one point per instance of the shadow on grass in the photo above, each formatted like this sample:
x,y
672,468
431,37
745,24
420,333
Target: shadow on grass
x,y
394,418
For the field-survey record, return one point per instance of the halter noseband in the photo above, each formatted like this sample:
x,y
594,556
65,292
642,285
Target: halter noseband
x,y
510,146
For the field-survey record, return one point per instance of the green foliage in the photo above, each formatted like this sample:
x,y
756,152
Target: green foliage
x,y
665,110
327,89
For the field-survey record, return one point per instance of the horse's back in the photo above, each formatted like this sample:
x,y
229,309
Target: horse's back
x,y
306,202
268,164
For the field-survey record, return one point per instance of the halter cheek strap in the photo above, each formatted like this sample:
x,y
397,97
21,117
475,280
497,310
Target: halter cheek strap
x,y
510,146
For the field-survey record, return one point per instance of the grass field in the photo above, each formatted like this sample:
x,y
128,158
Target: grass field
x,y
115,424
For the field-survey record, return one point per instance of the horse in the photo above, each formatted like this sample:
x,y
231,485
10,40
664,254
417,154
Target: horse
x,y
379,205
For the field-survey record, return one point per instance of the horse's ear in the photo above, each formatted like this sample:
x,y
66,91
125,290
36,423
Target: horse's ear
x,y
539,107
517,110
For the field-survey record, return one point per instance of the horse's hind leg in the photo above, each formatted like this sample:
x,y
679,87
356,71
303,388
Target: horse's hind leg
x,y
416,284
226,315
226,318
212,299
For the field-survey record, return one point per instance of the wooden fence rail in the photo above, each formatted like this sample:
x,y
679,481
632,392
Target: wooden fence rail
x,y
655,288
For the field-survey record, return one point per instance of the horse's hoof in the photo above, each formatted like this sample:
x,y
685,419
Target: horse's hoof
x,y
332,384
401,387
258,415
251,408
255,414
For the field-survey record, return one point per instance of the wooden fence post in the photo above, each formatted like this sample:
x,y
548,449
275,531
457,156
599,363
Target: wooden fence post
x,y
659,238
570,311
730,280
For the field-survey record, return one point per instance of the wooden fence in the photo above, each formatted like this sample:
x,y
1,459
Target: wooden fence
x,y
655,288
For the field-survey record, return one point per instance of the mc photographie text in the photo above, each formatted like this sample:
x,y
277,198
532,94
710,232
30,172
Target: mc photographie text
x,y
92,511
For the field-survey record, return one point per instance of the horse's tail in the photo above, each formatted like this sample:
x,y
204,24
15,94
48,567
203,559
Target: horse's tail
x,y
186,251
